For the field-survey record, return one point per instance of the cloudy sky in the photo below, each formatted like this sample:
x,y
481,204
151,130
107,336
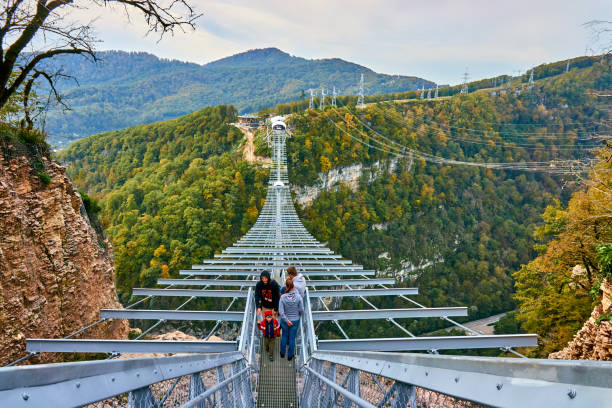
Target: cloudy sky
x,y
435,39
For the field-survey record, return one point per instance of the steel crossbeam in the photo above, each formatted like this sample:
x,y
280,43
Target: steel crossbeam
x,y
206,282
389,313
357,282
363,292
200,293
171,315
358,268
267,262
127,346
288,257
431,343
83,383
237,282
303,270
277,250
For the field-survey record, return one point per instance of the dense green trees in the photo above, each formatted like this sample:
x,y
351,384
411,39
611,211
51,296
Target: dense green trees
x,y
172,192
557,290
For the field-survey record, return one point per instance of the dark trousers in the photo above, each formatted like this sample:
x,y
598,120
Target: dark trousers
x,y
269,345
288,337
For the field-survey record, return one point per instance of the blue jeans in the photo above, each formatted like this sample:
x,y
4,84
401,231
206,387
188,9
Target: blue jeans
x,y
288,337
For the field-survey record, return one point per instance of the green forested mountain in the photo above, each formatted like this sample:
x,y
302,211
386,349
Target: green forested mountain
x,y
126,89
174,192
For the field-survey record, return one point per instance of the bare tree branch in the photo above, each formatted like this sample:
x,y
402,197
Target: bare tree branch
x,y
42,25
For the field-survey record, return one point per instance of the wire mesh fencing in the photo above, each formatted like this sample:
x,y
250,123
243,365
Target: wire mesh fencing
x,y
228,386
326,384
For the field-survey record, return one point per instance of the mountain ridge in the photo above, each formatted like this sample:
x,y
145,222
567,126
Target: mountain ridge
x,y
126,89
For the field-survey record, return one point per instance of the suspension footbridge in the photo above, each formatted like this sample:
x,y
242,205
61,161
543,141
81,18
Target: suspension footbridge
x,y
346,372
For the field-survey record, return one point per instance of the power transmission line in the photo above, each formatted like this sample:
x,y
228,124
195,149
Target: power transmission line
x,y
394,148
499,132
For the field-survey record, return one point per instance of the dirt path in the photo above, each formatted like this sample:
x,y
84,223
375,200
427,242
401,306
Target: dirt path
x,y
248,152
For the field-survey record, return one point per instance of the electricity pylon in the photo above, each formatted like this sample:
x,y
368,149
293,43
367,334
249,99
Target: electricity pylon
x,y
322,104
360,98
334,94
464,87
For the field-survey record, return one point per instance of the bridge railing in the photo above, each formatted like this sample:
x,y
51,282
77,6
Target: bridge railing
x,y
308,339
198,380
368,379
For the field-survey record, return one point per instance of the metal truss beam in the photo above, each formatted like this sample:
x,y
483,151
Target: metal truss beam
x,y
276,251
207,282
281,264
431,343
201,293
171,315
267,262
83,383
197,272
491,381
356,282
127,346
237,282
389,313
317,257
363,292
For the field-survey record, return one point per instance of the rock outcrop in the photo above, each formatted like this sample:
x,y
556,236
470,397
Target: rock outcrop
x,y
594,340
348,175
56,271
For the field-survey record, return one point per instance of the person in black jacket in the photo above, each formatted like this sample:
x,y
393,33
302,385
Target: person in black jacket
x,y
267,294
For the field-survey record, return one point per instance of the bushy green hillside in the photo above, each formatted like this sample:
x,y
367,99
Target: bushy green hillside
x,y
126,89
171,192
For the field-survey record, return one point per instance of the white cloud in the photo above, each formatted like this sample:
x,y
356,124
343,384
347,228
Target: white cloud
x,y
435,39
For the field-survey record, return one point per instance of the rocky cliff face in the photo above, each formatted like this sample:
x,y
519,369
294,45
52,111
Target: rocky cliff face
x,y
349,175
594,340
56,272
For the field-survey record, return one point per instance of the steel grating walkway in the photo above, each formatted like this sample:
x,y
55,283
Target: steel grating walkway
x,y
277,381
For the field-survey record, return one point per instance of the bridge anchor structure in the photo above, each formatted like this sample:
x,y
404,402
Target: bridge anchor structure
x,y
340,372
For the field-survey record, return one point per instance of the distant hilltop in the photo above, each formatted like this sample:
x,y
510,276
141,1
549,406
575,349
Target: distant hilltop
x,y
131,88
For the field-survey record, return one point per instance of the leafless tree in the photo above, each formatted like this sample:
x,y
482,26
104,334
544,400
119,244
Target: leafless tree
x,y
32,31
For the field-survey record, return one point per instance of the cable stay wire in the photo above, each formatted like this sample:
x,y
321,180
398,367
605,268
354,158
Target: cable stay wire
x,y
584,123
506,145
551,135
491,132
553,167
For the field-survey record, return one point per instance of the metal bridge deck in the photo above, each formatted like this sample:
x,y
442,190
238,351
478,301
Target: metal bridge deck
x,y
277,381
